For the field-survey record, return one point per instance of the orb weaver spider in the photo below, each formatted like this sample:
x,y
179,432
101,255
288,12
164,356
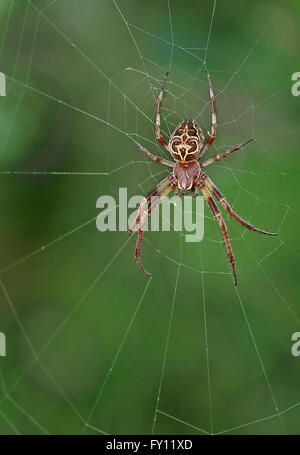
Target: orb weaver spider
x,y
187,146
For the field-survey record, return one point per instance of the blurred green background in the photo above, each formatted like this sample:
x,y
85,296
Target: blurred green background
x,y
92,345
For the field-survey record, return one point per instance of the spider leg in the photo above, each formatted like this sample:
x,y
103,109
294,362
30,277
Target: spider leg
x,y
146,207
213,131
155,158
158,109
217,214
219,196
224,154
156,191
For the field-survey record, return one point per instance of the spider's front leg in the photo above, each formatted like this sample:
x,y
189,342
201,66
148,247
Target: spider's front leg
x,y
159,137
155,158
213,130
220,156
147,205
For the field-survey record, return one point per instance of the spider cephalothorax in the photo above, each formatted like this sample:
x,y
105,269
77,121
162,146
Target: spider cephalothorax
x,y
187,147
186,141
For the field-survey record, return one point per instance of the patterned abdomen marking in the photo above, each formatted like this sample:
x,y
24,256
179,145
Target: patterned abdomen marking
x,y
186,141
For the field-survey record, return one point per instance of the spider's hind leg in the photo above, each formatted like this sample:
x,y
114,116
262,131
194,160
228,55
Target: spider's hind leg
x,y
156,191
217,214
148,204
219,196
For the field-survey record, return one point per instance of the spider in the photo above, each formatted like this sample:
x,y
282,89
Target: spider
x,y
187,146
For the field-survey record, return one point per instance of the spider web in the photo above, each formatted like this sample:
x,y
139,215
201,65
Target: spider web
x,y
94,346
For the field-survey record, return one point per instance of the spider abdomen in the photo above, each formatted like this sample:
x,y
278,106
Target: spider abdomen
x,y
186,141
186,174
